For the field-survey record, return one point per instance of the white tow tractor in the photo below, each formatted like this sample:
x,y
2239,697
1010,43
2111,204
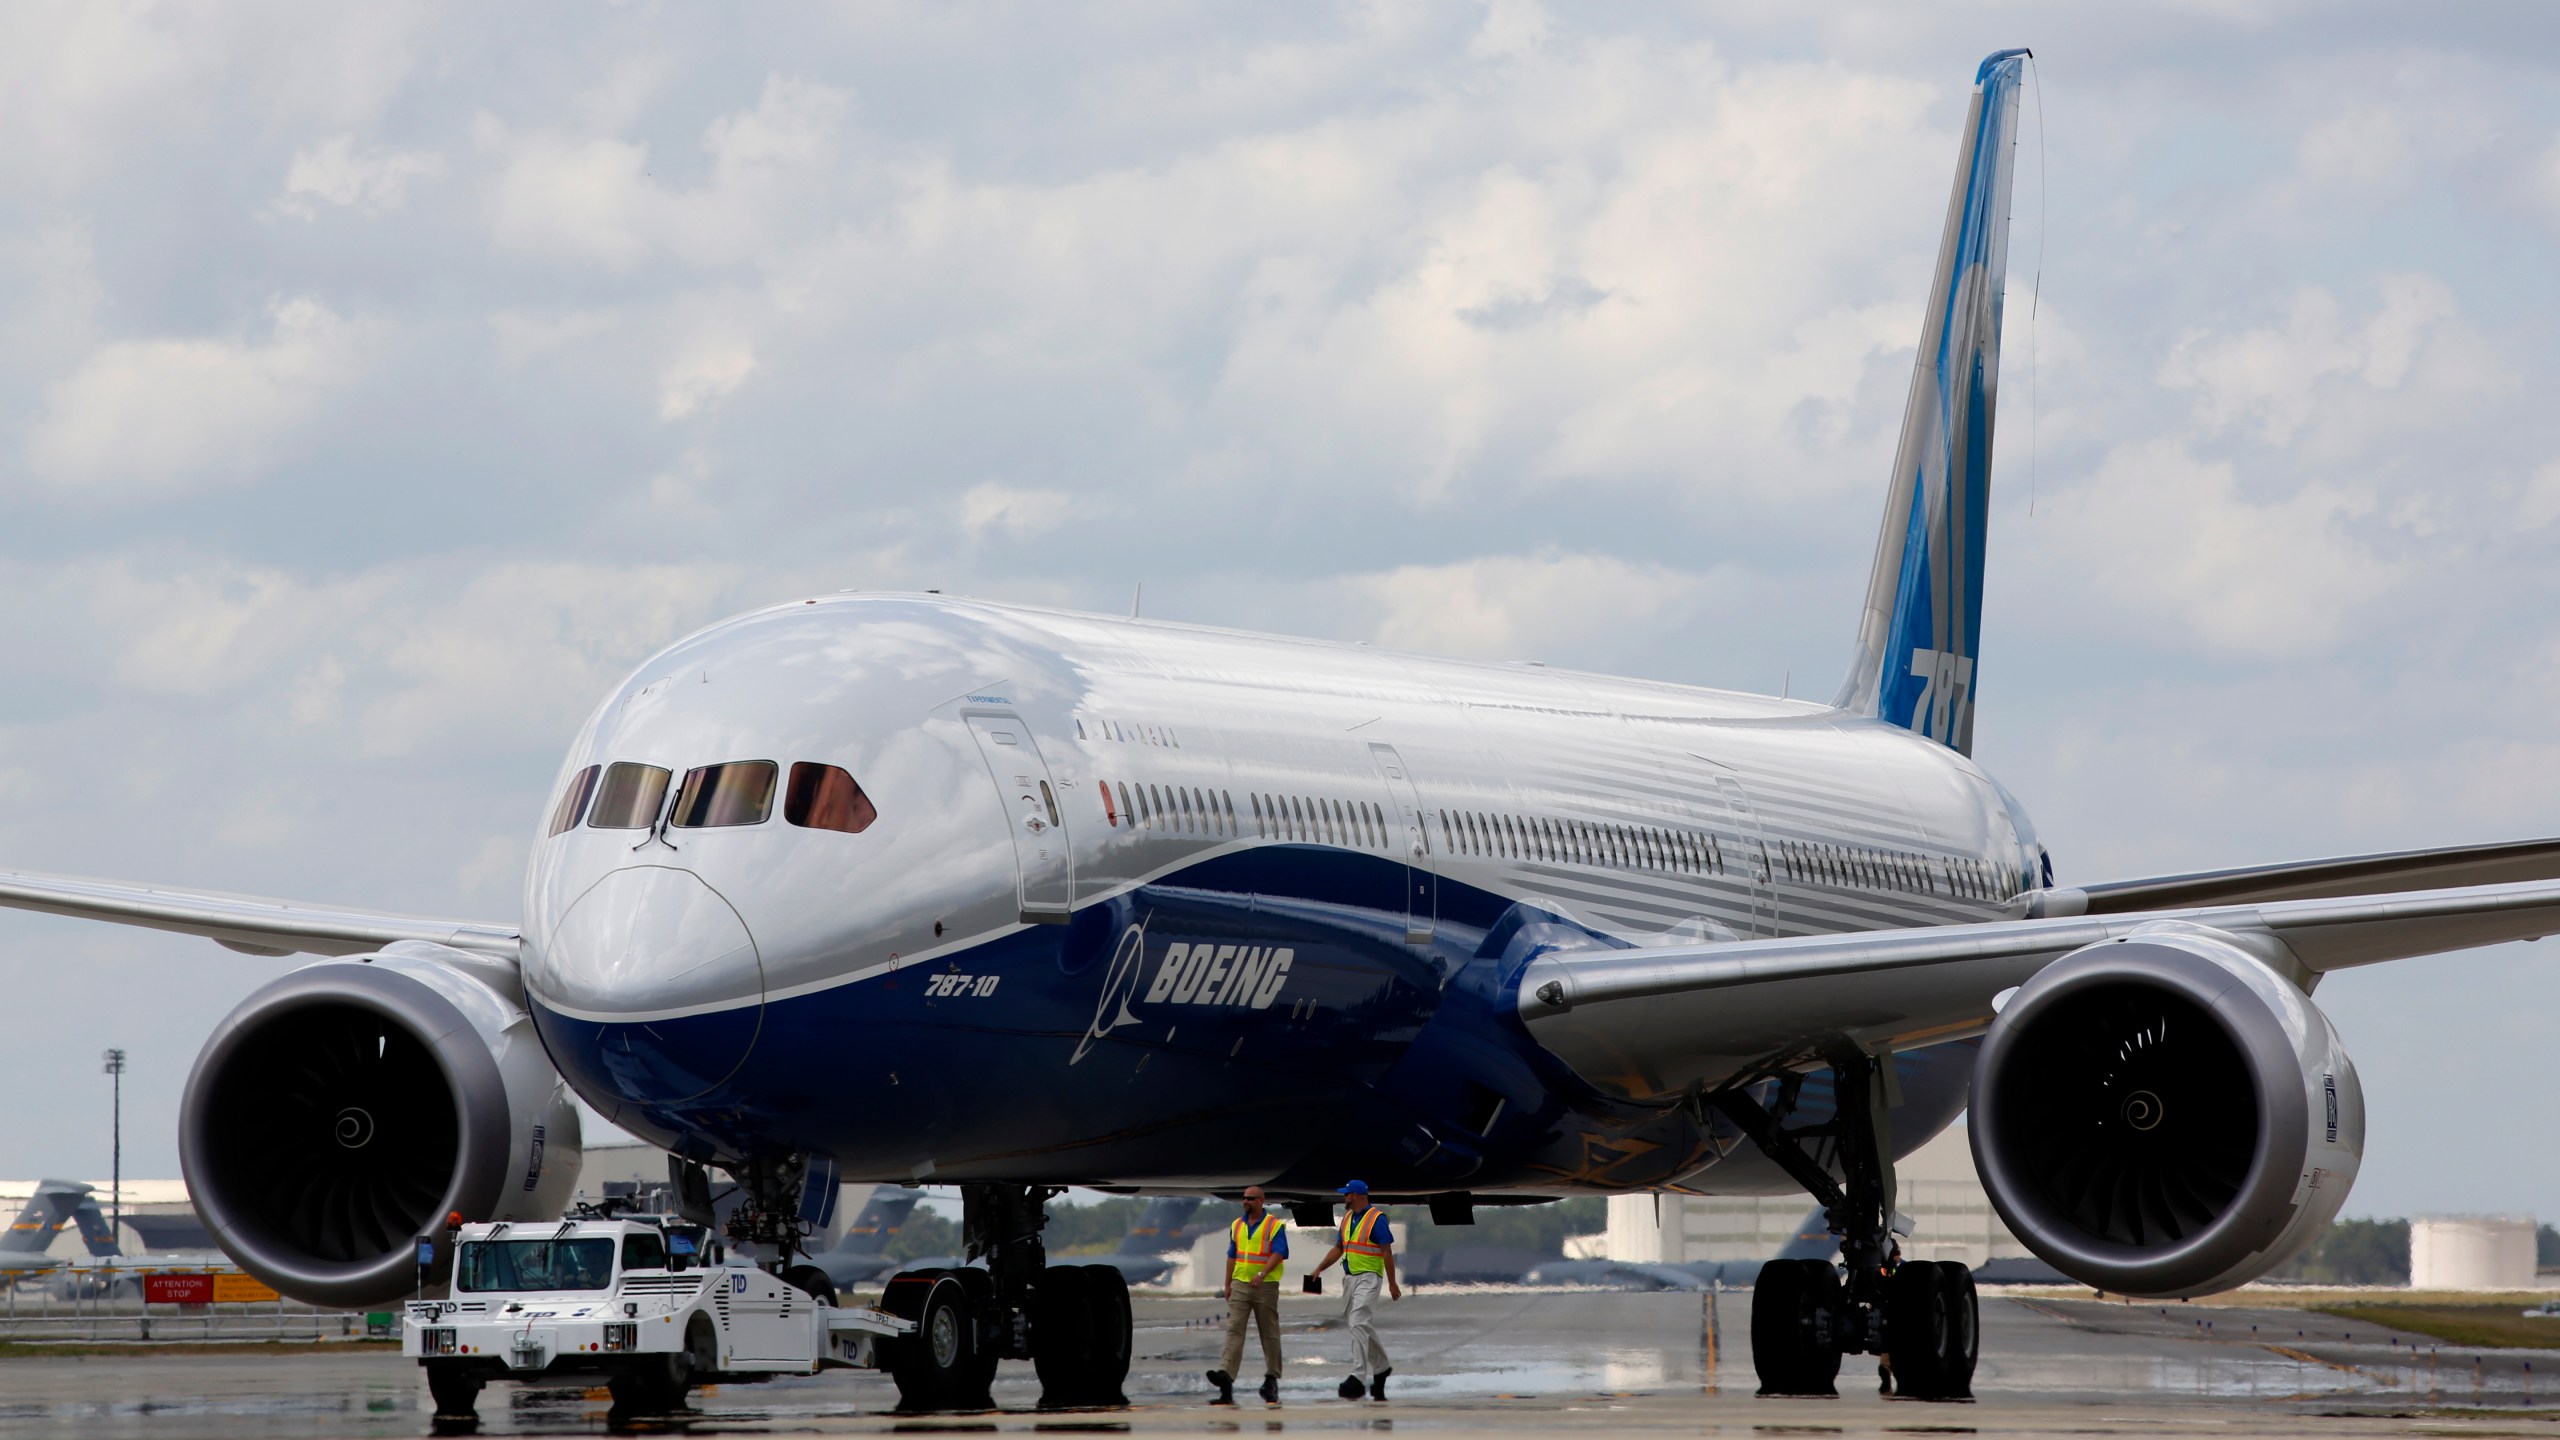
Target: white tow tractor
x,y
648,1304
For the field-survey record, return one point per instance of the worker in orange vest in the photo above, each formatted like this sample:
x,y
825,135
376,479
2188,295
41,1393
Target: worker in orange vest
x,y
1368,1256
1257,1251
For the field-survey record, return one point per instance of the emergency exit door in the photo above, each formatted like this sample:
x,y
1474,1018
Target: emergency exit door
x,y
1044,866
1421,894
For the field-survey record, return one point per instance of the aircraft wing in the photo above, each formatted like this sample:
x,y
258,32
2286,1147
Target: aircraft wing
x,y
1653,1022
2505,863
246,923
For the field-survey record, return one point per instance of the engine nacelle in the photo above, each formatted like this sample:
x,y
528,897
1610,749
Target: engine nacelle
x,y
339,1115
2165,1115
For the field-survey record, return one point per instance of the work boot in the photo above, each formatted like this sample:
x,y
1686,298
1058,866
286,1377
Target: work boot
x,y
1378,1387
1271,1389
1226,1384
1352,1389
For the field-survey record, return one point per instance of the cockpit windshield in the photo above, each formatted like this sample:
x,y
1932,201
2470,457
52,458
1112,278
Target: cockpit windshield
x,y
573,800
737,793
629,797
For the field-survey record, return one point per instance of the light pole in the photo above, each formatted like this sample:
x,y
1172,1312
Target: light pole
x,y
115,1183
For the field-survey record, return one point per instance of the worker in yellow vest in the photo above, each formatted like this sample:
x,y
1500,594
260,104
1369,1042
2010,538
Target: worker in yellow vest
x,y
1368,1256
1257,1251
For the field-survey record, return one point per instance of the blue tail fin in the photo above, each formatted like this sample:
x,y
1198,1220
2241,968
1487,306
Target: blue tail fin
x,y
1158,1227
879,1222
1920,632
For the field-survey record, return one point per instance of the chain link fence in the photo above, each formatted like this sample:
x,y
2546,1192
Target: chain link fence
x,y
108,1306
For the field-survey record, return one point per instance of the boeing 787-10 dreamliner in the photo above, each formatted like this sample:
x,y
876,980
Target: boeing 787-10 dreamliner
x,y
915,888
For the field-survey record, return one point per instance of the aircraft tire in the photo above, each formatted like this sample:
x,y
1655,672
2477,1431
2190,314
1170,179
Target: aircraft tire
x,y
1114,1329
1964,1329
1791,1349
1930,1327
454,1388
1062,1335
937,1367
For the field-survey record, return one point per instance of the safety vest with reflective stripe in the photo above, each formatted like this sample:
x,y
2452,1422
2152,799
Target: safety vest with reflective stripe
x,y
1360,1254
1254,1260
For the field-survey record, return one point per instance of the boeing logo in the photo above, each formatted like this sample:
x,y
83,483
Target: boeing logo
x,y
1251,976
1246,976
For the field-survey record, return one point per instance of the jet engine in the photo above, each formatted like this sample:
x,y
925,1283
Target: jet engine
x,y
340,1114
2165,1115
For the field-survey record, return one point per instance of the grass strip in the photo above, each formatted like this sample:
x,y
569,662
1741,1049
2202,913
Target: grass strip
x,y
2487,1327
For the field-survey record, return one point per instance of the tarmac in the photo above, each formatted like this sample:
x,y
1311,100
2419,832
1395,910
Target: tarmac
x,y
1491,1362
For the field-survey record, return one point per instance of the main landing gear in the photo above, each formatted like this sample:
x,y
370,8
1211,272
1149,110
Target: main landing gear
x,y
1072,1322
1920,1316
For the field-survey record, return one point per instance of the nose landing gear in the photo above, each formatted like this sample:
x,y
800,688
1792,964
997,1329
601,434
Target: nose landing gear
x,y
1072,1322
1920,1316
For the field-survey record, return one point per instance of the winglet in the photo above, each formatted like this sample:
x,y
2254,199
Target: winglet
x,y
1919,633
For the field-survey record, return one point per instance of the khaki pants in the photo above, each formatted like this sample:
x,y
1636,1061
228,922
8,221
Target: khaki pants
x,y
1257,1301
1360,1317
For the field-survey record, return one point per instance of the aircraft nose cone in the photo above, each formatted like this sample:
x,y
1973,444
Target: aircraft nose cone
x,y
647,942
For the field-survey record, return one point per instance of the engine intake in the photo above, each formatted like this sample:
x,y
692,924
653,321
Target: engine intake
x,y
339,1114
2165,1115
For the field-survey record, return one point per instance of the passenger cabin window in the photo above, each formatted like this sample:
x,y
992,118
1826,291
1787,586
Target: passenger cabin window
x,y
644,1252
629,797
824,797
739,792
574,799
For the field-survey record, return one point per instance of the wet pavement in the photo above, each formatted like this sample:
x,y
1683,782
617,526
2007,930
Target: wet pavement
x,y
1492,1361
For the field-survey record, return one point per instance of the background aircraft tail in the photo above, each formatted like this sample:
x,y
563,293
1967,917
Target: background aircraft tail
x,y
1919,633
53,1206
879,1222
1158,1227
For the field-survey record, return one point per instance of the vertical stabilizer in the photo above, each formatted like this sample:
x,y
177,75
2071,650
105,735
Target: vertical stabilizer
x,y
1920,631
1158,1227
47,1211
879,1222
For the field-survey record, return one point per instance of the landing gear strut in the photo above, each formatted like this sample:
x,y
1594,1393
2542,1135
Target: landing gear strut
x,y
1072,1322
1921,1316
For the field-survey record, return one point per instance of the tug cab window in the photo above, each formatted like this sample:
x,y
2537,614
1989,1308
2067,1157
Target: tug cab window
x,y
629,797
824,797
739,792
644,1252
573,800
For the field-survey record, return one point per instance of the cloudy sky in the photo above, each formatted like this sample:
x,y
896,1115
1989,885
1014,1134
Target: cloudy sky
x,y
377,384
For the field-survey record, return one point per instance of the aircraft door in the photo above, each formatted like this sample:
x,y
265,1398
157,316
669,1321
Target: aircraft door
x,y
1754,857
1043,863
1421,890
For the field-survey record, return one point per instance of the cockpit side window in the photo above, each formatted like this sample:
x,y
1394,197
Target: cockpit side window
x,y
573,800
739,792
824,797
643,1252
629,797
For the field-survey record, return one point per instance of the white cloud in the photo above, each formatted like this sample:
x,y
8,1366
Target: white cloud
x,y
704,374
494,875
340,171
593,198
2542,180
2274,380
146,417
2367,146
1018,512
1520,607
2170,539
2539,505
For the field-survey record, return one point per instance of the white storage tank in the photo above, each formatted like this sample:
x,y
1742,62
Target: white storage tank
x,y
2471,1252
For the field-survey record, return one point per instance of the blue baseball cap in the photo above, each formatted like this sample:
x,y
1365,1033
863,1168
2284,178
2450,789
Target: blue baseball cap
x,y
1356,1187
